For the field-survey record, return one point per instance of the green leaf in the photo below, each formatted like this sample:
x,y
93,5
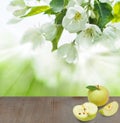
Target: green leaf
x,y
116,12
92,87
116,19
59,16
50,12
116,9
103,13
57,5
66,2
58,35
36,10
68,52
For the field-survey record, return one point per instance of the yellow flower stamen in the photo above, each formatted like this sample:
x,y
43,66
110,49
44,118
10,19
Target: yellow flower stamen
x,y
77,16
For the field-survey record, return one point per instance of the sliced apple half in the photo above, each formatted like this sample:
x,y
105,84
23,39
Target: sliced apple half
x,y
85,112
110,109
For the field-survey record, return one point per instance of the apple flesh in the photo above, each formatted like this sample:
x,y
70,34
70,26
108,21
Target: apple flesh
x,y
85,112
110,109
98,96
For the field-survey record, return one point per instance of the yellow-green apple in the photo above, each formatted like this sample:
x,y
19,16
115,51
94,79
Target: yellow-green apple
x,y
98,95
110,109
85,112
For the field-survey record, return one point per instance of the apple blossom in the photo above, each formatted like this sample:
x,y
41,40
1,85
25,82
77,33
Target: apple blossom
x,y
111,34
68,52
35,36
89,20
75,19
90,35
49,31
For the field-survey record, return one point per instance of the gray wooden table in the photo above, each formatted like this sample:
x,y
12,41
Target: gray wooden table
x,y
46,110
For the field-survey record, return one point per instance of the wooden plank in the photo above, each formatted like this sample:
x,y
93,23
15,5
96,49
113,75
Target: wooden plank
x,y
46,110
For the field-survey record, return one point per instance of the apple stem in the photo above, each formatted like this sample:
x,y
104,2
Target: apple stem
x,y
98,86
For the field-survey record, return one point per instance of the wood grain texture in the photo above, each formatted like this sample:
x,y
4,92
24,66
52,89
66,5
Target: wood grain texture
x,y
46,110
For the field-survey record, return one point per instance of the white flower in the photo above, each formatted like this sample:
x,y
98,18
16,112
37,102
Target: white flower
x,y
49,31
35,36
112,31
68,52
39,35
90,35
75,19
111,36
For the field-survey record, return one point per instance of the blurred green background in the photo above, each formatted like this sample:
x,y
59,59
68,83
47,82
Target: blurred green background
x,y
28,72
39,72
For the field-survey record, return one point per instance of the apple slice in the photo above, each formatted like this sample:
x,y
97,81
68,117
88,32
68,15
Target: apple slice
x,y
85,112
110,109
